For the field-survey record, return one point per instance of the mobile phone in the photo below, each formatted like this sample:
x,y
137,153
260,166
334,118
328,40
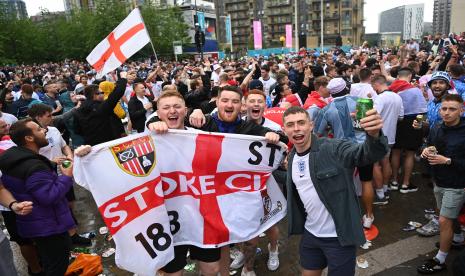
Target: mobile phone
x,y
380,53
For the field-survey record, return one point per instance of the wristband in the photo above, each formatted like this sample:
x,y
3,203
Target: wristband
x,y
11,204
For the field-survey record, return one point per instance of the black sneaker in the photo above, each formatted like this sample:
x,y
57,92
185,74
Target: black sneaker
x,y
454,245
431,266
408,189
78,240
387,194
394,186
380,201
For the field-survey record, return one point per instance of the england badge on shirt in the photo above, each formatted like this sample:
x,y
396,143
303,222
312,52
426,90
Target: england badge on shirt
x,y
301,165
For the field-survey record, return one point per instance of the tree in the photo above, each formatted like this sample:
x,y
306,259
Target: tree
x,y
74,35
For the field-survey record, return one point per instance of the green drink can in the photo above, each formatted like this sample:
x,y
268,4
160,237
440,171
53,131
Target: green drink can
x,y
363,105
66,164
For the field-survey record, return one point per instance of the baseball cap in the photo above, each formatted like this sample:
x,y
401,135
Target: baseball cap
x,y
256,84
439,75
216,66
336,85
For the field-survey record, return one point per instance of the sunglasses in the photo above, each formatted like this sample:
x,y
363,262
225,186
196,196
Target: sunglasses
x,y
99,93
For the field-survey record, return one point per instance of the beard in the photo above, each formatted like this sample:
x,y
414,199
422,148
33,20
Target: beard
x,y
41,142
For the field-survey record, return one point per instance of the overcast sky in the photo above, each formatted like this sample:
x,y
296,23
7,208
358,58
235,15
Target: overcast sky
x,y
371,12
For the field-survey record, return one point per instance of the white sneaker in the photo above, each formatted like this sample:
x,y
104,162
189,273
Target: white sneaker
x,y
273,259
367,221
238,262
248,273
234,252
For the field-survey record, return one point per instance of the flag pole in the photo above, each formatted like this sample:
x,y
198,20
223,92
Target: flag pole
x,y
153,49
150,39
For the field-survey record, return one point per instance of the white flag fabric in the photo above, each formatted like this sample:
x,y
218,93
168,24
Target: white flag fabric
x,y
183,187
125,40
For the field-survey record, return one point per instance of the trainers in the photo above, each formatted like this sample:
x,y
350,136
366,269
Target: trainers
x,y
454,245
273,259
431,266
380,201
238,262
248,273
408,189
234,252
430,229
387,194
78,240
431,216
394,186
367,221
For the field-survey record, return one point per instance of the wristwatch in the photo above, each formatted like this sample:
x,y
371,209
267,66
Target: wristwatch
x,y
448,161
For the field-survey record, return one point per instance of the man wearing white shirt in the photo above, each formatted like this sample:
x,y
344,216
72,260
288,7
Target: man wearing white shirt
x,y
267,80
215,78
321,200
364,88
389,106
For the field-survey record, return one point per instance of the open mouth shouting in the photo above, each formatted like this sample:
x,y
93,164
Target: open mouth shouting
x,y
298,138
229,112
173,119
255,112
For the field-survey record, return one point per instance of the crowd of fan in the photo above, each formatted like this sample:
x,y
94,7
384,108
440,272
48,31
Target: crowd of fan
x,y
89,109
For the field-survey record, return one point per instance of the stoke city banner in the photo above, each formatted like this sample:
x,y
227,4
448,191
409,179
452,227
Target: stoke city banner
x,y
183,187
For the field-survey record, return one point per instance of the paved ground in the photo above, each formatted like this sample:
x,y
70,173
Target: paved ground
x,y
394,252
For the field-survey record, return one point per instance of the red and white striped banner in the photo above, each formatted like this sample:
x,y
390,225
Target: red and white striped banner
x,y
156,191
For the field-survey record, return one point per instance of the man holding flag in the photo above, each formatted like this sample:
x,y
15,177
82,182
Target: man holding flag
x,y
227,120
171,110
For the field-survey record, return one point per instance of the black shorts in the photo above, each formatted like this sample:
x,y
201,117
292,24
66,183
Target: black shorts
x,y
317,253
408,138
207,255
365,173
10,223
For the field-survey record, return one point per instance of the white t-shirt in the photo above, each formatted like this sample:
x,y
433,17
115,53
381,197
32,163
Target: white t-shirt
x,y
55,144
267,84
144,101
8,118
128,92
215,78
319,222
17,95
79,85
389,105
363,90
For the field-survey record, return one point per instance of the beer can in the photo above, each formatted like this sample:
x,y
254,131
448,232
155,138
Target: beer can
x,y
420,119
363,105
66,164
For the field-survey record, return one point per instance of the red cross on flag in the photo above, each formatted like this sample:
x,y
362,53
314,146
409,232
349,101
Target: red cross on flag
x,y
183,187
123,42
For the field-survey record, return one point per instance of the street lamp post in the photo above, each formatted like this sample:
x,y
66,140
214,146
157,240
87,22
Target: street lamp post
x,y
199,36
296,19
